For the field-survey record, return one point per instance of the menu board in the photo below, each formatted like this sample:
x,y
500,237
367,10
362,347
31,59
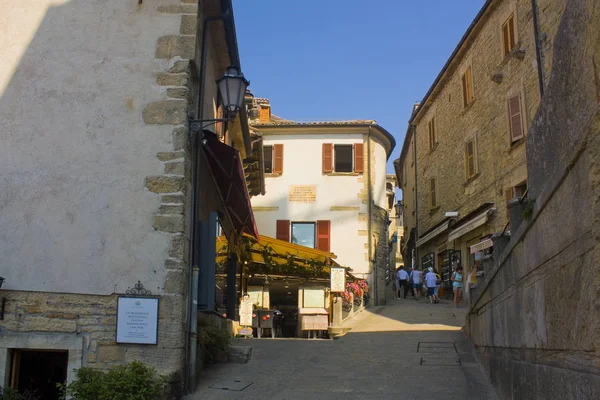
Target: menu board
x,y
137,320
338,279
246,312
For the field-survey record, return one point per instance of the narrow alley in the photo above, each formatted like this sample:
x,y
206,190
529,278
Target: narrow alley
x,y
405,350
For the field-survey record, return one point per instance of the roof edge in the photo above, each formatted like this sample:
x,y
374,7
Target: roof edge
x,y
455,52
387,135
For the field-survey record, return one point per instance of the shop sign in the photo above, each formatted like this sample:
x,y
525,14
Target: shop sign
x,y
246,312
338,279
303,193
137,320
245,331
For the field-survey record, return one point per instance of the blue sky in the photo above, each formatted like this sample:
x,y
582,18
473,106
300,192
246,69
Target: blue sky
x,y
320,60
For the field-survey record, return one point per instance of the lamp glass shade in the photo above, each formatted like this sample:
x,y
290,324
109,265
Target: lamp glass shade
x,y
232,87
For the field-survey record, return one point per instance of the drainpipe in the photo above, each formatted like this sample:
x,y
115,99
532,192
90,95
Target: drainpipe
x,y
538,46
370,219
191,331
414,135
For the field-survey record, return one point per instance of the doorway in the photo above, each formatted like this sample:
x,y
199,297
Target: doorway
x,y
36,372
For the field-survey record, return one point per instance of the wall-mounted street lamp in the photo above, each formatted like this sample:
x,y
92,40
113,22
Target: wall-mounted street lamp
x,y
232,88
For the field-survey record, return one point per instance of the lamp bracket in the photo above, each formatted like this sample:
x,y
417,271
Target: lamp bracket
x,y
197,125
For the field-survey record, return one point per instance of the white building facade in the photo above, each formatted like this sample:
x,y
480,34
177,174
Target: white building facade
x,y
326,189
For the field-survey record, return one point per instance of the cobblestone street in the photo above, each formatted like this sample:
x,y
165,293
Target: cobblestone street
x,y
405,350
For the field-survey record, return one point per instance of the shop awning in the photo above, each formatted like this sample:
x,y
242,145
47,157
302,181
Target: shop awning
x,y
282,257
433,233
484,244
471,224
226,169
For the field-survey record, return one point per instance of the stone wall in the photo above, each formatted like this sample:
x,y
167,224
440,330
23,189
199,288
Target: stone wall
x,y
381,255
535,321
500,164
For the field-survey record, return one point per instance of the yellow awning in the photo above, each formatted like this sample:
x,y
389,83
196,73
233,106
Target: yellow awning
x,y
283,257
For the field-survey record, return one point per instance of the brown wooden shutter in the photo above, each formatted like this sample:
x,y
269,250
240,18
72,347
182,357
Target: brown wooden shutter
x,y
283,230
505,39
327,158
323,235
464,87
515,118
469,80
511,32
278,159
359,157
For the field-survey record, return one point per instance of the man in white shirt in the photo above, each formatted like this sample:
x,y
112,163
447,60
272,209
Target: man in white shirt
x,y
417,278
402,281
431,282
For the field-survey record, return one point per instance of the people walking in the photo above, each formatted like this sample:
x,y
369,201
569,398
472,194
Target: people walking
x,y
431,282
417,278
402,282
457,285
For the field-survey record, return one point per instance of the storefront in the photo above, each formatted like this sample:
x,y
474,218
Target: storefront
x,y
288,285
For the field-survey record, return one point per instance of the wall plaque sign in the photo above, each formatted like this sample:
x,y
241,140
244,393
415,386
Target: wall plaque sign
x,y
303,193
137,320
338,279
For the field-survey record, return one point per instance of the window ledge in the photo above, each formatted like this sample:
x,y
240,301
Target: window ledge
x,y
468,107
435,146
273,175
342,173
433,210
471,179
517,143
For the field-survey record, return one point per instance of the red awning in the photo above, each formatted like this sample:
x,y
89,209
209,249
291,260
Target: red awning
x,y
228,174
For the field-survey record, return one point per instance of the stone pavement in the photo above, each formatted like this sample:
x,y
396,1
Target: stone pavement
x,y
406,350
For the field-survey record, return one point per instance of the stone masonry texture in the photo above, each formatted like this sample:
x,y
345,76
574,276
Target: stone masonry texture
x,y
535,321
500,164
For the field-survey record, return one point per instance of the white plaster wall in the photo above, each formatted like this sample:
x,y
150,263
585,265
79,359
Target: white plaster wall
x,y
379,190
303,166
74,79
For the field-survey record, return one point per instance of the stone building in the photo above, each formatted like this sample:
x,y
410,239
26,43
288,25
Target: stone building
x,y
104,187
465,143
534,318
339,204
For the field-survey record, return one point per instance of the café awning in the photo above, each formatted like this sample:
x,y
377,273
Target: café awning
x,y
280,257
227,172
433,233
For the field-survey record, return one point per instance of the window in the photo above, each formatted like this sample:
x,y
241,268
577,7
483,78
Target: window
x,y
432,194
508,35
303,233
273,159
432,136
515,117
268,159
343,158
467,86
471,158
520,189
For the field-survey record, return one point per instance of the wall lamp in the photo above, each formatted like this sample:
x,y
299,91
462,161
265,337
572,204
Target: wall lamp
x,y
232,88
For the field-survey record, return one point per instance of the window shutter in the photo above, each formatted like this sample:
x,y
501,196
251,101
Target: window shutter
x,y
511,32
464,87
283,230
469,81
359,157
278,158
327,158
505,39
515,118
323,235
